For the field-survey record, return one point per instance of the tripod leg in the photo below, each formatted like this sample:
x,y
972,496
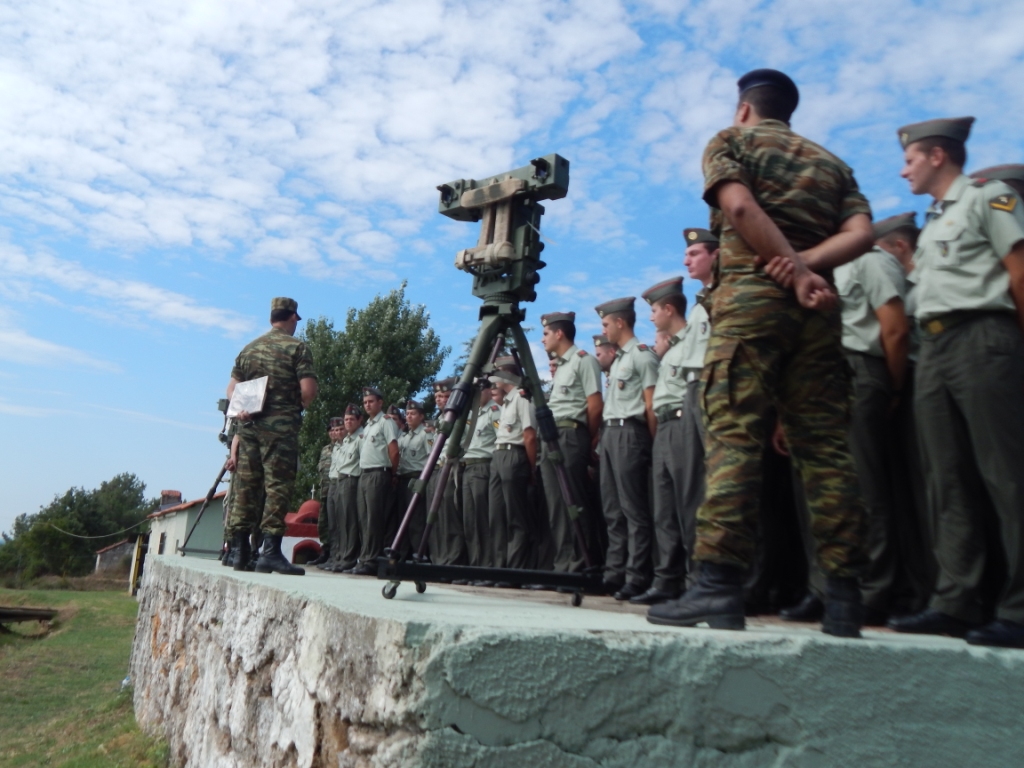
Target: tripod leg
x,y
549,434
209,497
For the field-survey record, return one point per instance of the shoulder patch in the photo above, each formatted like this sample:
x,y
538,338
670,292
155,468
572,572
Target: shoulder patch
x,y
980,182
1003,203
582,353
642,347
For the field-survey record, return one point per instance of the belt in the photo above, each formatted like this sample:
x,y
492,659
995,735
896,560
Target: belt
x,y
671,415
471,462
569,424
623,422
692,376
407,475
509,447
346,477
376,469
950,320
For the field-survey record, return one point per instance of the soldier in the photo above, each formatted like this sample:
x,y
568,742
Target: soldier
x,y
345,467
414,446
447,543
378,465
629,426
326,523
604,352
788,207
512,472
576,406
268,446
668,313
970,418
476,479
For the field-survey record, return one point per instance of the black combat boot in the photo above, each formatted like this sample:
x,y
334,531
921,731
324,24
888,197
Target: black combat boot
x,y
323,557
716,599
227,553
844,614
272,560
241,552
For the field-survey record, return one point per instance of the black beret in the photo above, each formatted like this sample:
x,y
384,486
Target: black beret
x,y
758,77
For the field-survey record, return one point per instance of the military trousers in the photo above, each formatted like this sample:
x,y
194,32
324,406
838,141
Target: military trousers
x,y
625,483
574,445
268,456
476,481
970,420
447,542
323,521
511,476
345,539
765,356
376,505
417,520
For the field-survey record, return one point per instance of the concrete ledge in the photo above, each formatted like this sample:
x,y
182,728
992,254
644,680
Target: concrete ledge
x,y
244,669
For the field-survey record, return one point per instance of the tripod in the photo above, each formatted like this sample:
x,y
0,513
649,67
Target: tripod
x,y
504,263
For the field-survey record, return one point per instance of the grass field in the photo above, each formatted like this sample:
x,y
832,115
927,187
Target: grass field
x,y
61,702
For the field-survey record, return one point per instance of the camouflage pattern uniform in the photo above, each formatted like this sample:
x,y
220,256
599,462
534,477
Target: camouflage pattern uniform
x,y
765,350
268,449
323,468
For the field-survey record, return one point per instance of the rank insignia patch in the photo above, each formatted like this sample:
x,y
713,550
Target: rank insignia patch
x,y
1003,203
622,384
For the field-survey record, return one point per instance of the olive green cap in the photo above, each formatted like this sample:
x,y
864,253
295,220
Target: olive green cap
x,y
694,235
289,305
444,385
615,305
956,128
600,340
557,317
353,410
1010,174
506,377
372,391
337,421
672,286
505,361
906,220
414,405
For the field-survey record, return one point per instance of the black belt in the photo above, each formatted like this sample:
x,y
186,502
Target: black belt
x,y
632,420
509,447
376,469
950,320
409,475
471,462
671,415
569,424
346,477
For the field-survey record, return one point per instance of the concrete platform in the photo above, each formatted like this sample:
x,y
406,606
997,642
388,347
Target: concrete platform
x,y
245,669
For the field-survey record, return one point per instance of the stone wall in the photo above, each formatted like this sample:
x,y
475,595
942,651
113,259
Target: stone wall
x,y
248,670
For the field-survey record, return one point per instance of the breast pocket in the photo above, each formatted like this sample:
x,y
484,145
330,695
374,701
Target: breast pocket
x,y
948,245
566,383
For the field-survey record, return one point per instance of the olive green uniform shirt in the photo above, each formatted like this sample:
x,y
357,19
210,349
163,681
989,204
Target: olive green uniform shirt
x,y
485,432
517,413
695,339
670,390
634,369
345,459
378,433
577,377
865,284
960,250
414,447
910,308
332,463
323,467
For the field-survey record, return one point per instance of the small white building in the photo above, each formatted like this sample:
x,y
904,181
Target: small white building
x,y
169,526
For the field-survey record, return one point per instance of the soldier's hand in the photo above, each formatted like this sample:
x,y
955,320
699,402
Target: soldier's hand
x,y
780,269
813,291
779,439
244,416
231,465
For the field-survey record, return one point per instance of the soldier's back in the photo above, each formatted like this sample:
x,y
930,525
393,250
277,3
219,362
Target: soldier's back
x,y
283,359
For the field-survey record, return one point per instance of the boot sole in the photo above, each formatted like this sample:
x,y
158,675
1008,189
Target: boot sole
x,y
716,621
268,569
841,630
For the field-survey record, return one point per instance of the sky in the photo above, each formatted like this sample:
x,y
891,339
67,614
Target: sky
x,y
168,168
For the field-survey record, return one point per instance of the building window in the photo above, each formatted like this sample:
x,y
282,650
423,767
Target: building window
x,y
163,543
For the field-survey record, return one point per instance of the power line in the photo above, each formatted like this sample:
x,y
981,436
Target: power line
x,y
104,536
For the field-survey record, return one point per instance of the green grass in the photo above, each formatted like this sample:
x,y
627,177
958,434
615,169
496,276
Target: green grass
x,y
61,702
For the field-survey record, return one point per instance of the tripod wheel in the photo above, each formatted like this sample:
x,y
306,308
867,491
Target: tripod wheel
x,y
421,587
389,590
577,599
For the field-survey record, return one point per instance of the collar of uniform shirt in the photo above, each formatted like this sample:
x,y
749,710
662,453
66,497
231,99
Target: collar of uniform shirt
x,y
627,346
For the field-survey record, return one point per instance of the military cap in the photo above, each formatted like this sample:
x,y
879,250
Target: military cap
x,y
505,361
664,289
394,410
337,421
353,410
289,305
956,128
557,317
414,405
505,377
694,235
445,385
615,305
906,220
1011,174
600,340
758,77
372,391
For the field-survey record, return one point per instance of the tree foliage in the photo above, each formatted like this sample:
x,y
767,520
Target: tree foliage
x,y
389,344
35,546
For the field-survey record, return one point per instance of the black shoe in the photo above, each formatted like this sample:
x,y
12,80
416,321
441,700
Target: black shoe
x,y
628,592
537,587
874,617
844,614
506,585
716,599
272,560
611,587
653,596
323,557
226,556
241,552
808,609
364,569
483,583
931,622
460,582
1001,633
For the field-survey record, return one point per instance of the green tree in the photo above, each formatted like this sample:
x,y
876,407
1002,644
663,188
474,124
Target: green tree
x,y
35,546
388,344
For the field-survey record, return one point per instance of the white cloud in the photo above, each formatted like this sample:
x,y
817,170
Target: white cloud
x,y
17,346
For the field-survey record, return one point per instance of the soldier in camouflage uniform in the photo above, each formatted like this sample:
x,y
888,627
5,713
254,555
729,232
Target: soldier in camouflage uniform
x,y
789,206
268,446
323,469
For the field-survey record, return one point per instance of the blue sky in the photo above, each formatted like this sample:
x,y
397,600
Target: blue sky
x,y
166,169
